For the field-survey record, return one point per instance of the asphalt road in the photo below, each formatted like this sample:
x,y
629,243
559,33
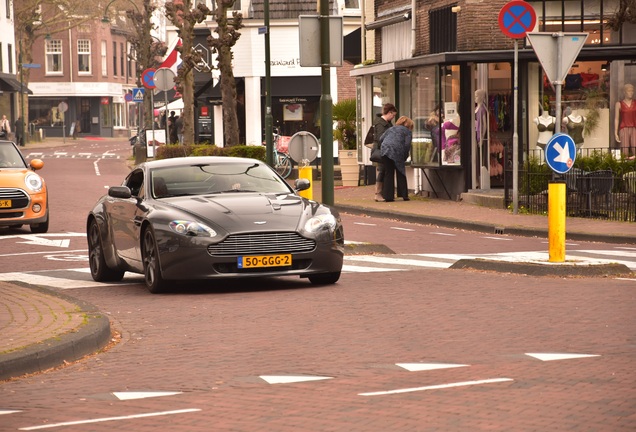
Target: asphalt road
x,y
395,345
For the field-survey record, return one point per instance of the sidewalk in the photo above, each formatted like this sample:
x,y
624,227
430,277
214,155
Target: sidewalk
x,y
50,332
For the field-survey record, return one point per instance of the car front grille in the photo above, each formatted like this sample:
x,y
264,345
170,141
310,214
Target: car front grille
x,y
19,199
262,244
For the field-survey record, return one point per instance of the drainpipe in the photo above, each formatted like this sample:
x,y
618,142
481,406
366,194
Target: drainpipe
x,y
363,31
413,26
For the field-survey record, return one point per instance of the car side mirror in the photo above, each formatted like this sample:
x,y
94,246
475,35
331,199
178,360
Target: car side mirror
x,y
36,164
119,192
301,184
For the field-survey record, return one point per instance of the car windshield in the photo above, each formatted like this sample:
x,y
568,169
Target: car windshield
x,y
216,178
10,156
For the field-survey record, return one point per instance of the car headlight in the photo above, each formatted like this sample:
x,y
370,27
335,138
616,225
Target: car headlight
x,y
320,222
33,182
190,228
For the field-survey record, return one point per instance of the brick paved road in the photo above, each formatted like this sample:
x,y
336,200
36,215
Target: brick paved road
x,y
213,345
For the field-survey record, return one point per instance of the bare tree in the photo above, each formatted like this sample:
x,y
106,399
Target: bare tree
x,y
147,51
227,33
36,19
181,14
626,13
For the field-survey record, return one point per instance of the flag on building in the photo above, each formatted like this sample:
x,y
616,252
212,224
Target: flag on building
x,y
173,60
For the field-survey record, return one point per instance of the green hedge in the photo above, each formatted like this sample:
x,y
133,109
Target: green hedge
x,y
176,150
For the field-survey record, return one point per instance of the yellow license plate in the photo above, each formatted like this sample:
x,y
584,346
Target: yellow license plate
x,y
255,261
5,203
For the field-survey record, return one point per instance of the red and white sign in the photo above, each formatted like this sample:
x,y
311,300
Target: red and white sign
x,y
516,19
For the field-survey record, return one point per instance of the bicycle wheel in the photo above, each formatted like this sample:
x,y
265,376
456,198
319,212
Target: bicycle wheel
x,y
283,165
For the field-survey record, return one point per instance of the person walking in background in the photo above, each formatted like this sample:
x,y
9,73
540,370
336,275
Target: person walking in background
x,y
172,128
180,129
395,145
19,132
381,123
5,128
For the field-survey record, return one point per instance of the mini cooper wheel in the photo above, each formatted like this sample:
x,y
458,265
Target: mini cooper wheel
x,y
99,269
41,228
152,271
324,278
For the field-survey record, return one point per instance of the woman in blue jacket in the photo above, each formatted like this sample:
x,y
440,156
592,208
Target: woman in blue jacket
x,y
395,145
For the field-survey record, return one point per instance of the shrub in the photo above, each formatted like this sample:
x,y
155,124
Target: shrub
x,y
175,150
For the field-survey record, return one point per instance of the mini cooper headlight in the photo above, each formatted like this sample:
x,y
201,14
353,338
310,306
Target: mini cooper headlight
x,y
190,228
33,182
323,221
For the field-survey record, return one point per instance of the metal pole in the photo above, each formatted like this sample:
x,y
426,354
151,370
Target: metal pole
x,y
269,145
21,92
557,84
326,109
515,137
165,98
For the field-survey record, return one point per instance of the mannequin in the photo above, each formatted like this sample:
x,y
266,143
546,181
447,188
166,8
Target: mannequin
x,y
481,132
625,121
575,124
450,140
545,124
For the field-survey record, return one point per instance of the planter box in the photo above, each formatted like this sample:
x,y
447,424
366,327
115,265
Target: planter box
x,y
349,167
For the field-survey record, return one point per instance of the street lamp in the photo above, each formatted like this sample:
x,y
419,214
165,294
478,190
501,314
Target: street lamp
x,y
105,18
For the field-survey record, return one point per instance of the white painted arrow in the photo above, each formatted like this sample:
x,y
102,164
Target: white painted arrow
x,y
558,356
2,412
414,367
286,379
564,153
39,241
142,395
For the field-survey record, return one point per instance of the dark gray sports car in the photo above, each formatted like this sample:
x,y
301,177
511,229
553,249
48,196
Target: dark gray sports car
x,y
212,217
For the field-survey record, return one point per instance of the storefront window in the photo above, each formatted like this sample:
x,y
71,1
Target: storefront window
x,y
450,129
118,115
105,115
383,92
426,117
44,112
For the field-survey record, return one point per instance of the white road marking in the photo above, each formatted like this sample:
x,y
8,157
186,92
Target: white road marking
x,y
624,253
96,165
416,367
557,356
436,387
43,252
497,238
71,234
402,229
142,395
38,241
361,269
2,412
287,379
397,261
444,234
105,419
364,224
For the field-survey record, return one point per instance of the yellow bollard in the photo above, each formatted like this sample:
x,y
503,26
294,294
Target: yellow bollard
x,y
306,173
556,222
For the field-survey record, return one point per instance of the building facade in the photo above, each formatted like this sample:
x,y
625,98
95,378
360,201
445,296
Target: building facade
x,y
455,78
84,83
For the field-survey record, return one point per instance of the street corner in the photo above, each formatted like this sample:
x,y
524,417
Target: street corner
x,y
362,248
562,270
40,349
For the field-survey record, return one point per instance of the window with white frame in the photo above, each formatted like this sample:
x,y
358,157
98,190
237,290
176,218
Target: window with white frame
x,y
118,115
104,59
54,57
84,56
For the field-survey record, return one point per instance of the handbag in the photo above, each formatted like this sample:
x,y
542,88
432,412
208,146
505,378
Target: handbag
x,y
376,155
370,137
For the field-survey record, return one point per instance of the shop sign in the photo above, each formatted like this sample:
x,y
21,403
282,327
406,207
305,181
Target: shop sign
x,y
105,100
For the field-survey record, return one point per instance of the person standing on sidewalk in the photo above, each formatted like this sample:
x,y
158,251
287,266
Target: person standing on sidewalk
x,y
395,145
381,123
5,127
19,132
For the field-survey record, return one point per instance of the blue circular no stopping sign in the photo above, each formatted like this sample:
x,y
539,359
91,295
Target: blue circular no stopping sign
x,y
516,19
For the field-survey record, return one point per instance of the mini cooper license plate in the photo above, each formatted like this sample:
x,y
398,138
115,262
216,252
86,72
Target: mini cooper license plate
x,y
5,203
255,261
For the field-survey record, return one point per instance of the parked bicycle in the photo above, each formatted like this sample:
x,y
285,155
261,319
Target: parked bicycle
x,y
282,161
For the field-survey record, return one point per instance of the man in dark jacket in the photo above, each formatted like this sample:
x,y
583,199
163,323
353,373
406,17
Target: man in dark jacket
x,y
380,124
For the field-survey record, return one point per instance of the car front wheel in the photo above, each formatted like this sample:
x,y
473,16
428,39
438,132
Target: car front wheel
x,y
152,271
99,269
41,228
324,278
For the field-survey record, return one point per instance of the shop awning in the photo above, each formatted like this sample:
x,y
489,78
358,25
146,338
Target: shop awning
x,y
353,47
296,86
10,84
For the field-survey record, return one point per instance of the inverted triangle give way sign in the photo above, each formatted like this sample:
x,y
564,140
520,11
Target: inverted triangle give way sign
x,y
546,47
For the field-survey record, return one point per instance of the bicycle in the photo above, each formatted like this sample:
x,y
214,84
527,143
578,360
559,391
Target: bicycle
x,y
282,161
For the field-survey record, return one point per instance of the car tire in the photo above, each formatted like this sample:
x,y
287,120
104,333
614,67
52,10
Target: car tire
x,y
324,278
97,263
152,268
41,228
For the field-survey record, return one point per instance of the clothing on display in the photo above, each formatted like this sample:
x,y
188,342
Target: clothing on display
x,y
575,125
546,125
626,121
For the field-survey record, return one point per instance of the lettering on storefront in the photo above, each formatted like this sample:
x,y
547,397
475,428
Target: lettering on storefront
x,y
288,63
294,100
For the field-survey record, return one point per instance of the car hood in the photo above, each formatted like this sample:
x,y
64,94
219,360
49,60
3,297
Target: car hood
x,y
13,177
247,211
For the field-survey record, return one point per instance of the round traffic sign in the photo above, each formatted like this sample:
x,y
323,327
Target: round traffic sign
x,y
560,153
62,107
147,78
303,146
164,79
517,18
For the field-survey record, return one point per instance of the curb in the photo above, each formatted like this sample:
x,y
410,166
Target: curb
x,y
562,270
89,338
